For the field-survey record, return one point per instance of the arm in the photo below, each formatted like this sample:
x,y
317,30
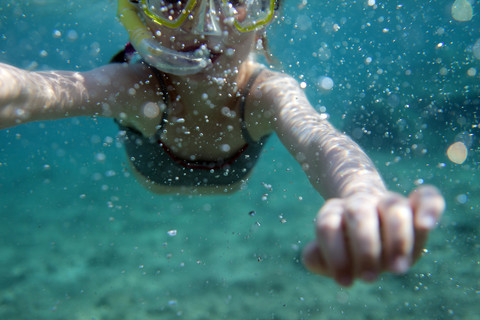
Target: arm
x,y
362,228
115,90
335,165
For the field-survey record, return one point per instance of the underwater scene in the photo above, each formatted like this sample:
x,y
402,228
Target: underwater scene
x,y
80,238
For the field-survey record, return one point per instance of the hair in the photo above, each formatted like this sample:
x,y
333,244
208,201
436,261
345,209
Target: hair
x,y
263,37
277,4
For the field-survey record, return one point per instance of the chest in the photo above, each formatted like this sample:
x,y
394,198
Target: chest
x,y
203,134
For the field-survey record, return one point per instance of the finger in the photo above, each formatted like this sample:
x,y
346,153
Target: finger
x,y
363,238
331,241
313,260
396,218
428,206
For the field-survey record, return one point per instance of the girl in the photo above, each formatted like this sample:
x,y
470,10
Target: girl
x,y
195,109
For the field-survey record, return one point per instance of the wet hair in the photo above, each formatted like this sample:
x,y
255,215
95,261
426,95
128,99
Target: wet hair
x,y
277,4
263,37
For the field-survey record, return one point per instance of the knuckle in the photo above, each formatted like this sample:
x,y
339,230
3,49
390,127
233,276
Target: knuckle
x,y
392,199
367,245
329,223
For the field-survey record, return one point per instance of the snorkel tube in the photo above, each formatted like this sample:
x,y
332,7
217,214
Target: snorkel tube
x,y
160,57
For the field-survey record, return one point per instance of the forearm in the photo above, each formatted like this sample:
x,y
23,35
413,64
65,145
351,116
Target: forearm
x,y
29,96
335,165
113,90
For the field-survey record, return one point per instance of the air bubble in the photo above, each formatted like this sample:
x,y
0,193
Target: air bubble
x,y
472,72
325,83
462,10
151,110
100,156
476,49
56,34
457,152
72,35
225,147
462,198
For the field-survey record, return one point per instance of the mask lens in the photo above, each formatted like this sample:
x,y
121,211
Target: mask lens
x,y
171,13
251,14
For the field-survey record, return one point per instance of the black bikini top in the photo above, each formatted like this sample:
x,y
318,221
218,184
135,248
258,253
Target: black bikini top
x,y
158,164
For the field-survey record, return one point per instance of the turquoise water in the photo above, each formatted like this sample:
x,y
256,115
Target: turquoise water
x,y
80,239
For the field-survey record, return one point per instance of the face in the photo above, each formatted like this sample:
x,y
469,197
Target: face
x,y
227,46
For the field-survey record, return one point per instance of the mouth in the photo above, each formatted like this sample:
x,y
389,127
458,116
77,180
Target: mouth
x,y
214,56
202,50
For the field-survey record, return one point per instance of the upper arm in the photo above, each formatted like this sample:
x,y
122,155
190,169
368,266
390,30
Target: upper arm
x,y
119,90
289,113
270,98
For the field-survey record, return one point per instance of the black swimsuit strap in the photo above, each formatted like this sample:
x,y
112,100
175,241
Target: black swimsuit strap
x,y
161,80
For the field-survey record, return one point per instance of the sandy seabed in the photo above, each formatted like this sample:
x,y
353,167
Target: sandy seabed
x,y
80,239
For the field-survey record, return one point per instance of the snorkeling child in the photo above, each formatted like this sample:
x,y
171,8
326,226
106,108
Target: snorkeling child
x,y
195,110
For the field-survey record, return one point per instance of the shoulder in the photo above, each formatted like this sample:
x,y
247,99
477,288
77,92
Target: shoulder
x,y
264,73
125,92
278,101
271,86
122,75
124,87
264,99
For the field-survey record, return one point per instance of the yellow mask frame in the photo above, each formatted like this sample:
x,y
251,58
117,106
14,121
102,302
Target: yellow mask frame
x,y
258,13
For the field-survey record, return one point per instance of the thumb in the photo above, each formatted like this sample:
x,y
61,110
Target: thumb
x,y
313,259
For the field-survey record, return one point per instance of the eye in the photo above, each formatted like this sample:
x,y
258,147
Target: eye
x,y
236,3
159,3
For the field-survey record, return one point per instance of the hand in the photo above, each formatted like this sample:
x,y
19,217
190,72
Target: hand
x,y
365,234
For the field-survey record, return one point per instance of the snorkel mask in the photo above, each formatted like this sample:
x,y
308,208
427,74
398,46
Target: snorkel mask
x,y
245,15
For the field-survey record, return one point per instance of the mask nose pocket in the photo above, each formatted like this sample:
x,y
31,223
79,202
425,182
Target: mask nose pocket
x,y
206,18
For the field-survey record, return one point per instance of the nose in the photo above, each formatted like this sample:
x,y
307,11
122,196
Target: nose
x,y
205,20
